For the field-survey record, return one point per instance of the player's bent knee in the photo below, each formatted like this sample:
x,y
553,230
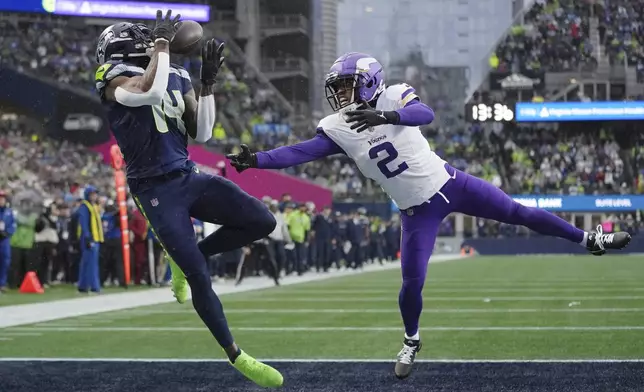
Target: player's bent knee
x,y
267,224
413,283
262,222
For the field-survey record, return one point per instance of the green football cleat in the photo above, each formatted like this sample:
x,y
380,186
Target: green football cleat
x,y
179,283
259,373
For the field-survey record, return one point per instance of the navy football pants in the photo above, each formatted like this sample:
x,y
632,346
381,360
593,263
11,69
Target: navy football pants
x,y
169,205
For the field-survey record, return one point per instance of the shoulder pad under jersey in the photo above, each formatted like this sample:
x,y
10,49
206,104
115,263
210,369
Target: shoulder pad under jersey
x,y
112,69
179,70
330,123
401,93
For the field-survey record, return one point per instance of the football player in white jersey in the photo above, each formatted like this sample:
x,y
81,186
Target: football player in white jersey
x,y
394,153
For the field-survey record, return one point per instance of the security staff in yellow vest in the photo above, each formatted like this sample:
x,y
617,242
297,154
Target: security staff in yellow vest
x,y
90,235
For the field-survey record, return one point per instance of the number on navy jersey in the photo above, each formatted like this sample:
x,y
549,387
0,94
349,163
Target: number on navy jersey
x,y
171,109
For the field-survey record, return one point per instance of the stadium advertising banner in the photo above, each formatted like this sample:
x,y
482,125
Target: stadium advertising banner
x,y
108,8
604,203
579,111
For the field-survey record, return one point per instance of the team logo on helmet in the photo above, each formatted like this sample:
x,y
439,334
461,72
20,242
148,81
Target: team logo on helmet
x,y
123,41
354,78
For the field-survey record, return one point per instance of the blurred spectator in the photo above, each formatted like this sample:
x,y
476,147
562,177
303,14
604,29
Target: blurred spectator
x,y
553,37
45,242
621,33
7,228
54,48
556,161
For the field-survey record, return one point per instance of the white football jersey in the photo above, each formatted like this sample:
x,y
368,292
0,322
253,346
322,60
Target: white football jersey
x,y
397,157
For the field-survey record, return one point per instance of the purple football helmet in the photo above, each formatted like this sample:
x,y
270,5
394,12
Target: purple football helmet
x,y
354,77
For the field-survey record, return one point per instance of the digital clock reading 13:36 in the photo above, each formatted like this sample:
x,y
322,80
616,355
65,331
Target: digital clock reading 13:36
x,y
481,112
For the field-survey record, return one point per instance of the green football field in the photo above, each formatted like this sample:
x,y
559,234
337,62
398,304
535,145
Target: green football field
x,y
477,308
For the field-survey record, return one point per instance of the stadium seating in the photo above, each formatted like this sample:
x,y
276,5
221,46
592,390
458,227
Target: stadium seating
x,y
621,33
548,161
555,33
553,37
66,54
38,168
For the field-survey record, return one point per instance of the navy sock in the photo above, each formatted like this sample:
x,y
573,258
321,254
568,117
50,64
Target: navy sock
x,y
234,357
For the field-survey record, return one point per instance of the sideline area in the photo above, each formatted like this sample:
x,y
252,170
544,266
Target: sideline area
x,y
17,315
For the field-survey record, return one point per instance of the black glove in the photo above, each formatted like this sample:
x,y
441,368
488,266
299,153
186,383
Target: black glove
x,y
363,119
166,27
244,160
211,61
3,235
88,244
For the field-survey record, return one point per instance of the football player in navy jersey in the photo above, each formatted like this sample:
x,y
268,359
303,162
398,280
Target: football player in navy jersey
x,y
152,110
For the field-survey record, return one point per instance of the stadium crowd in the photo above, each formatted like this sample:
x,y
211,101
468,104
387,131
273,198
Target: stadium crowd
x,y
53,48
621,33
554,36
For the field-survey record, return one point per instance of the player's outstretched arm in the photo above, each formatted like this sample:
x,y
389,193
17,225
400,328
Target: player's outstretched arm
x,y
282,157
200,117
149,88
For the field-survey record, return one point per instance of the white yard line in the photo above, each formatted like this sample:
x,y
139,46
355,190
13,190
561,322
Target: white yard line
x,y
10,334
396,311
519,281
334,329
323,360
428,291
11,316
430,298
58,324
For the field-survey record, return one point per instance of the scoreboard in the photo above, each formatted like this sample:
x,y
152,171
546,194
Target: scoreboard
x,y
495,112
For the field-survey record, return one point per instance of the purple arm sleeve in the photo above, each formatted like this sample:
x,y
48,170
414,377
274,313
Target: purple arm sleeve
x,y
415,113
318,147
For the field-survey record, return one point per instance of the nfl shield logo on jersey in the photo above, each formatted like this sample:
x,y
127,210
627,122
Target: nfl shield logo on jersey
x,y
154,202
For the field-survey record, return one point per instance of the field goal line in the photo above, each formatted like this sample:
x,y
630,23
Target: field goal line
x,y
325,360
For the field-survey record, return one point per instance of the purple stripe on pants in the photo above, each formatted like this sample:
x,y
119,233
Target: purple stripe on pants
x,y
469,195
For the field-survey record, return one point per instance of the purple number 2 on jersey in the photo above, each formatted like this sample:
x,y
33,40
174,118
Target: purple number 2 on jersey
x,y
390,155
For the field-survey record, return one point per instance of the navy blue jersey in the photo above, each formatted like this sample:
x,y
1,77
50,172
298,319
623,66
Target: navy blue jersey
x,y
152,139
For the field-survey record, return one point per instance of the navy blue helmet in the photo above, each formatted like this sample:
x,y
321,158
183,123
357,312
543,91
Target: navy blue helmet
x,y
124,41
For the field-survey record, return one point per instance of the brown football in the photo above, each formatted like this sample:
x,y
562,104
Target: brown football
x,y
187,38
